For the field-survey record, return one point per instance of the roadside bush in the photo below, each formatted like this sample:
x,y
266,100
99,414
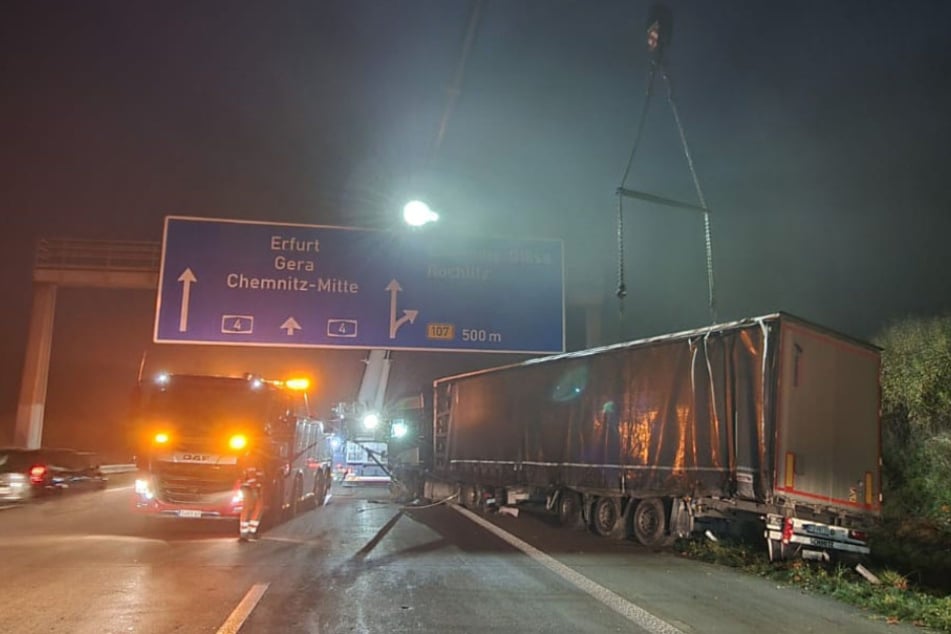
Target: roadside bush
x,y
915,536
916,420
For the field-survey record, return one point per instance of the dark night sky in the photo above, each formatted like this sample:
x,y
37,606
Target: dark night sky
x,y
820,131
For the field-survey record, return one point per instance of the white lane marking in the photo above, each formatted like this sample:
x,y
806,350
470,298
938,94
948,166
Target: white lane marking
x,y
289,540
634,613
240,614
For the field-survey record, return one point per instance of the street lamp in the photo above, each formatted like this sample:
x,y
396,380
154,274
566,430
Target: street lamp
x,y
371,420
417,213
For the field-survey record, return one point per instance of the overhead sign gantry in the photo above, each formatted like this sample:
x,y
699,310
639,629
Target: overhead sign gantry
x,y
231,282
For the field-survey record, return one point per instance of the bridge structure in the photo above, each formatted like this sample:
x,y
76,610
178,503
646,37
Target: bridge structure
x,y
62,262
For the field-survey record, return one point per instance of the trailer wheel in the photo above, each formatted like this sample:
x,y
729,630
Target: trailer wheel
x,y
650,522
470,497
606,516
569,509
489,498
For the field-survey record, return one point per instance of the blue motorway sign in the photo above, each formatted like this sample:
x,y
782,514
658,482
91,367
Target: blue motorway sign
x,y
231,282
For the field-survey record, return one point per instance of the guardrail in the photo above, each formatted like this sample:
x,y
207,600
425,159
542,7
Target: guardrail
x,y
118,468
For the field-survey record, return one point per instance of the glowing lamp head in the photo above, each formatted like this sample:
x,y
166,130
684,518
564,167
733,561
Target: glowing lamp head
x,y
417,213
161,438
371,421
400,430
299,384
238,442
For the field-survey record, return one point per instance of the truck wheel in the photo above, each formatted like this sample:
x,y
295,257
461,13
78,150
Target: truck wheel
x,y
320,491
296,493
650,522
274,511
569,509
606,516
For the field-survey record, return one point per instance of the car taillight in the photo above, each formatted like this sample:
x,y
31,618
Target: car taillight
x,y
37,474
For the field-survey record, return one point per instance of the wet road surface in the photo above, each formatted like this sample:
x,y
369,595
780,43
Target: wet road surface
x,y
87,564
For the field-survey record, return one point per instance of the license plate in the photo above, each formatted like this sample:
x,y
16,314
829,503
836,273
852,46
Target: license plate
x,y
822,543
189,513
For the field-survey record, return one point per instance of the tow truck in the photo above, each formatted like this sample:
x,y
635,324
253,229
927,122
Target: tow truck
x,y
197,433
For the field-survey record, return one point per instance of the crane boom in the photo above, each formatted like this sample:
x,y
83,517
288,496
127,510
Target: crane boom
x,y
372,393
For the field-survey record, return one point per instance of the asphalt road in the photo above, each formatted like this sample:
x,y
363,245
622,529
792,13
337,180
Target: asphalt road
x,y
86,564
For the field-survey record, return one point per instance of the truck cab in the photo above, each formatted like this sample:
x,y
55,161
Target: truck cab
x,y
197,435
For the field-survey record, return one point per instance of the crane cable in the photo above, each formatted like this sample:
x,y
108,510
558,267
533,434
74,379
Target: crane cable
x,y
658,37
621,286
708,241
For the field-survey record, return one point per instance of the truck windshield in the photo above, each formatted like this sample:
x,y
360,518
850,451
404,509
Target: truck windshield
x,y
203,407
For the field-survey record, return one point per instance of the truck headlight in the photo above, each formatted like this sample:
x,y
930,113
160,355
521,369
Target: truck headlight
x,y
144,488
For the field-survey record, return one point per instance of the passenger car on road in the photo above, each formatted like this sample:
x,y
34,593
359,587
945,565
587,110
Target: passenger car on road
x,y
26,474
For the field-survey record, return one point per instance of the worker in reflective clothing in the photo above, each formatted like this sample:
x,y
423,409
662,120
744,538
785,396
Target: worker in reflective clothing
x,y
252,493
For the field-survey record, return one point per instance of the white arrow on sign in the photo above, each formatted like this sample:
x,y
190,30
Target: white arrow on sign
x,y
408,315
187,278
290,325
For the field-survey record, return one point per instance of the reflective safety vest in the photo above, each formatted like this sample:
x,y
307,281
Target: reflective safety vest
x,y
252,476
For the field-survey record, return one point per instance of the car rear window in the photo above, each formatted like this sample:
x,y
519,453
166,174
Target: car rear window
x,y
62,459
17,460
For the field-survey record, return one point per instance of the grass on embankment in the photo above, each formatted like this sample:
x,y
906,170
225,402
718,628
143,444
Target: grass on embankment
x,y
895,599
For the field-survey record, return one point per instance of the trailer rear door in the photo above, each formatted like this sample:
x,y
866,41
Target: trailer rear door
x,y
828,436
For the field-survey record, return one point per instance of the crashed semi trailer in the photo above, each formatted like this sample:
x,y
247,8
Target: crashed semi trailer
x,y
770,419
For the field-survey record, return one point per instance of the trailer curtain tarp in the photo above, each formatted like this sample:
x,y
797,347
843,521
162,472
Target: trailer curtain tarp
x,y
678,416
